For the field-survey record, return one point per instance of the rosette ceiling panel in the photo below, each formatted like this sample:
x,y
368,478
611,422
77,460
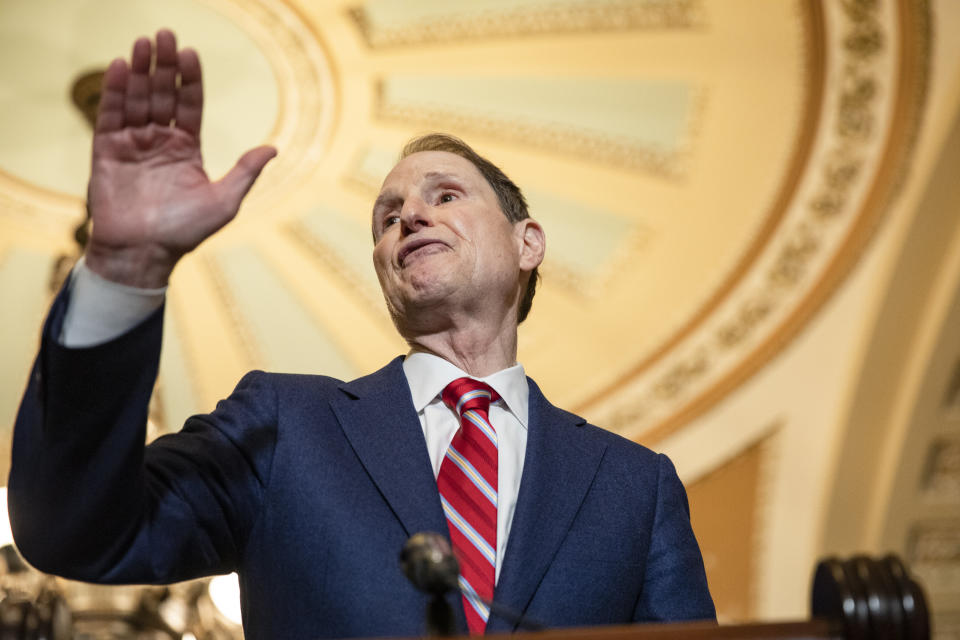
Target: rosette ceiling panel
x,y
707,172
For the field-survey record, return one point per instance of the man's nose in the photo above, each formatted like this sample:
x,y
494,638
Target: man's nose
x,y
415,214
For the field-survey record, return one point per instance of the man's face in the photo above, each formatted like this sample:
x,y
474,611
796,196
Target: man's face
x,y
442,241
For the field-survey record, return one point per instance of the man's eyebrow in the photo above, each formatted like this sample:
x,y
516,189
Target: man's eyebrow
x,y
440,175
383,200
387,199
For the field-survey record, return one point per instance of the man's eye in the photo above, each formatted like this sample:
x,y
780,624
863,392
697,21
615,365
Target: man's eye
x,y
390,220
447,197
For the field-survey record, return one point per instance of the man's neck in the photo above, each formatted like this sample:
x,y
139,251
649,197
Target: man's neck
x,y
478,350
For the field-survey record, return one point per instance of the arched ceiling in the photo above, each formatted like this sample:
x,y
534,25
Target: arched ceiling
x,y
705,180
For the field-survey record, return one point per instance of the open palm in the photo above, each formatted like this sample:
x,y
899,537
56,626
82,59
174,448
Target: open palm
x,y
149,196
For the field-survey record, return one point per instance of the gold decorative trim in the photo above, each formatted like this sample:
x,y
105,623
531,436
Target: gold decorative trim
x,y
736,595
584,144
156,415
591,286
180,316
356,178
19,198
815,76
941,475
864,39
769,443
252,352
307,105
308,99
324,255
548,18
933,552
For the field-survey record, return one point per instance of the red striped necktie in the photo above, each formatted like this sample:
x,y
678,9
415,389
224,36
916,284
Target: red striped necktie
x,y
468,491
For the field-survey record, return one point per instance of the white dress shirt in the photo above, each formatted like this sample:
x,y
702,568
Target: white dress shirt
x,y
427,375
100,310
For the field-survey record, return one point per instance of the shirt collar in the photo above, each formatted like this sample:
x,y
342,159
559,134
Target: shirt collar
x,y
427,375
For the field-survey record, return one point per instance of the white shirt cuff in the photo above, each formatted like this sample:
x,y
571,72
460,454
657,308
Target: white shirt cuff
x,y
100,310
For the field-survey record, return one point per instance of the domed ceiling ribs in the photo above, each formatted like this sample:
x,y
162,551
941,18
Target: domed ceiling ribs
x,y
872,89
665,276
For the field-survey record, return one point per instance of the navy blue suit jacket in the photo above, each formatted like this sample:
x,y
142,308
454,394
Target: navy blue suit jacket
x,y
309,487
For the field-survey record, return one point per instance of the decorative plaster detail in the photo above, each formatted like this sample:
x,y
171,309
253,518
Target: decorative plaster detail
x,y
582,285
558,17
580,142
934,554
368,167
307,108
941,479
771,447
252,353
306,111
12,206
291,334
328,256
952,397
822,228
744,476
19,200
178,316
156,416
946,626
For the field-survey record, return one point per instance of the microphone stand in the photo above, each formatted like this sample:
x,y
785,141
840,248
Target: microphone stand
x,y
440,620
428,562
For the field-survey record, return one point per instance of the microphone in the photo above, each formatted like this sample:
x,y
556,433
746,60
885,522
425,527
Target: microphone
x,y
428,562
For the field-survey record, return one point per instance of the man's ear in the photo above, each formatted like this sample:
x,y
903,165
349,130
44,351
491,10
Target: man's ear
x,y
533,243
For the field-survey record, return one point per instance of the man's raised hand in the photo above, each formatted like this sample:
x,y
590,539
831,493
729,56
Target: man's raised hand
x,y
149,197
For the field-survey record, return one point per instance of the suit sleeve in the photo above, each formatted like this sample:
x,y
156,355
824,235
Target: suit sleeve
x,y
89,501
675,584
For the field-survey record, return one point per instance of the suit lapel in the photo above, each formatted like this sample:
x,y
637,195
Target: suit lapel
x,y
559,466
378,417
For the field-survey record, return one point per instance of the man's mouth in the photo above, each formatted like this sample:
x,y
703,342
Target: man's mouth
x,y
417,248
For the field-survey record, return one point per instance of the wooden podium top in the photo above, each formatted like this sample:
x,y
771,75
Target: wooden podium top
x,y
805,630
691,631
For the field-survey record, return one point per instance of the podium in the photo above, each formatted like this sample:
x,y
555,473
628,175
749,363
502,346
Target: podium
x,y
861,598
694,631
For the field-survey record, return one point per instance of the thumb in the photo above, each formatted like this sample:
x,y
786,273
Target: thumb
x,y
235,185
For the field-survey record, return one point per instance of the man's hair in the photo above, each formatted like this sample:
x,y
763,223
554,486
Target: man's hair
x,y
512,203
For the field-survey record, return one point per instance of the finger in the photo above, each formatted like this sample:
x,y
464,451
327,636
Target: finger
x,y
137,105
163,82
190,99
113,91
235,185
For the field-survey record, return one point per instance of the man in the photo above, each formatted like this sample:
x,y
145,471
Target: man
x,y
310,486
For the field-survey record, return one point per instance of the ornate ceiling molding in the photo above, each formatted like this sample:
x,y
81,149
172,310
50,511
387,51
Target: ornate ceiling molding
x,y
306,86
453,22
826,170
669,106
867,68
307,108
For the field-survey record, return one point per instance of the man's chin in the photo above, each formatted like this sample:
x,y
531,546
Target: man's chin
x,y
423,305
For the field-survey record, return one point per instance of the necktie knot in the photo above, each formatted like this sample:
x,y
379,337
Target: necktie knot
x,y
466,393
